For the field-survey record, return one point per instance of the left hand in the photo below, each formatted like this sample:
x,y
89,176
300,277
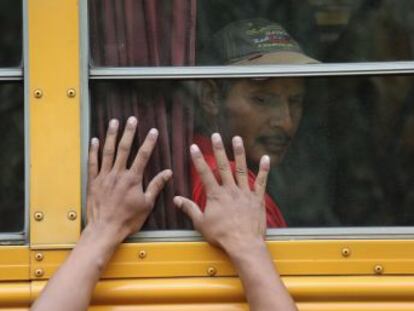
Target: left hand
x,y
117,205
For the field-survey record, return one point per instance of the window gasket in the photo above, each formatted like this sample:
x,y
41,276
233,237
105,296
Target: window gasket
x,y
256,71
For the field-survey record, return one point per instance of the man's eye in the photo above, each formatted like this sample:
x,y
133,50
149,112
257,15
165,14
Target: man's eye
x,y
261,100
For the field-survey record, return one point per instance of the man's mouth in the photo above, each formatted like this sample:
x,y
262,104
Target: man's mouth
x,y
275,143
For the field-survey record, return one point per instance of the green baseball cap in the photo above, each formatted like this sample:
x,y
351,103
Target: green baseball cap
x,y
256,42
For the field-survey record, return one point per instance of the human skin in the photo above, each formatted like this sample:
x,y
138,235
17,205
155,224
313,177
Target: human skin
x,y
117,206
235,220
265,113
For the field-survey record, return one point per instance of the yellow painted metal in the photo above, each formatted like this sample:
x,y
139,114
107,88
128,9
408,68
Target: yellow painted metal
x,y
14,295
54,120
14,263
292,258
226,293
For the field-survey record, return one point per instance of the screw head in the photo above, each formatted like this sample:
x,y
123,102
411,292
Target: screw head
x,y
38,93
39,272
378,269
38,216
346,252
71,93
211,271
39,256
72,215
142,254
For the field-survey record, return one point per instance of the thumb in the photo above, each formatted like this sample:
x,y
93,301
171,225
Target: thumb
x,y
190,208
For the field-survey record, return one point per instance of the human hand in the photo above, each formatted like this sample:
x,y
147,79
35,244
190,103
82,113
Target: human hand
x,y
117,204
235,216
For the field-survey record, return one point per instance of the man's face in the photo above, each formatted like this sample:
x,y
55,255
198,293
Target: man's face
x,y
266,114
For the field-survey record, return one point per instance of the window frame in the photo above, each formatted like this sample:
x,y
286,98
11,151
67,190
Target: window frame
x,y
90,72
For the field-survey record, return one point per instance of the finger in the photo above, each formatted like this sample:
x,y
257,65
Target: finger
x,y
93,160
241,166
157,184
109,146
124,146
144,153
223,164
261,179
190,209
206,175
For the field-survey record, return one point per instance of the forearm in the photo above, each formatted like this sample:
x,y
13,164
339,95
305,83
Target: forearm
x,y
263,286
72,285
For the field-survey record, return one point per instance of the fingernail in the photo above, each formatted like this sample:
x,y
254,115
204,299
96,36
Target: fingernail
x,y
178,201
266,162
95,141
194,148
216,138
168,174
153,132
237,141
132,120
114,123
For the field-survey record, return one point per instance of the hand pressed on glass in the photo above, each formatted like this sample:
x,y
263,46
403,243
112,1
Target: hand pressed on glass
x,y
235,220
117,190
234,213
117,206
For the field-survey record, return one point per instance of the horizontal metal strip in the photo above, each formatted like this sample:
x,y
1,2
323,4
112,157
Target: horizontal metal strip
x,y
11,74
373,233
12,238
259,71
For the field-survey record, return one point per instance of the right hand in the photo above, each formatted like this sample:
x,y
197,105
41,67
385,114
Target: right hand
x,y
235,215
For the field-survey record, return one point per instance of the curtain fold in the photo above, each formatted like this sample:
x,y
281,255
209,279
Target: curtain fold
x,y
147,33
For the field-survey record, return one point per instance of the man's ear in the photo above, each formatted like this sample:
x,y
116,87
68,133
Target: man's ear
x,y
208,96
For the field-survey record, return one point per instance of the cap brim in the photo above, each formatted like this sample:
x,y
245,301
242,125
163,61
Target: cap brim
x,y
278,58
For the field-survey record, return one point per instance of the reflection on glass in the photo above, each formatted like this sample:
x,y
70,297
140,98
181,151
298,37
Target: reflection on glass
x,y
183,33
341,148
11,158
11,25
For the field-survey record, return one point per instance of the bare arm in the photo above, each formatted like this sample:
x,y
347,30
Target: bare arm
x,y
117,206
235,220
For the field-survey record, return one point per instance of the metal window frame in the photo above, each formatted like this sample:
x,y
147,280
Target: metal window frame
x,y
257,71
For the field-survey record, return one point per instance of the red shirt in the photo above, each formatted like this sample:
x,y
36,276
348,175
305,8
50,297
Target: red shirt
x,y
273,215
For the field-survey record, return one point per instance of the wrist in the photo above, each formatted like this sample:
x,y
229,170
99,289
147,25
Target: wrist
x,y
102,236
245,247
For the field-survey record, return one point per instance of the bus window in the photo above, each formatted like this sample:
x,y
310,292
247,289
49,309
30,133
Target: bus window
x,y
11,33
340,141
341,148
11,157
134,33
12,193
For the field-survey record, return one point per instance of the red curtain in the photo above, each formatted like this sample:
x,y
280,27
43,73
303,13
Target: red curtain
x,y
147,33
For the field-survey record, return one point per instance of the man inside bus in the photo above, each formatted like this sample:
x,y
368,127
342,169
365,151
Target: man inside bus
x,y
118,205
265,112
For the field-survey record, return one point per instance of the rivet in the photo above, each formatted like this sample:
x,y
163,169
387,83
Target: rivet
x,y
39,256
211,271
378,269
38,216
38,93
71,93
142,254
72,215
346,252
39,273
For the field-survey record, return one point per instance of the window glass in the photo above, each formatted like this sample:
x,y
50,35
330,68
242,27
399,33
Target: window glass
x,y
341,148
10,33
222,32
11,157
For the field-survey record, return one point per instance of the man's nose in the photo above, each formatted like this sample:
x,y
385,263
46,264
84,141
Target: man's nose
x,y
281,116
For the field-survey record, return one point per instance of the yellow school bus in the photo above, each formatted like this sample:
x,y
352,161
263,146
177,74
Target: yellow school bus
x,y
345,187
